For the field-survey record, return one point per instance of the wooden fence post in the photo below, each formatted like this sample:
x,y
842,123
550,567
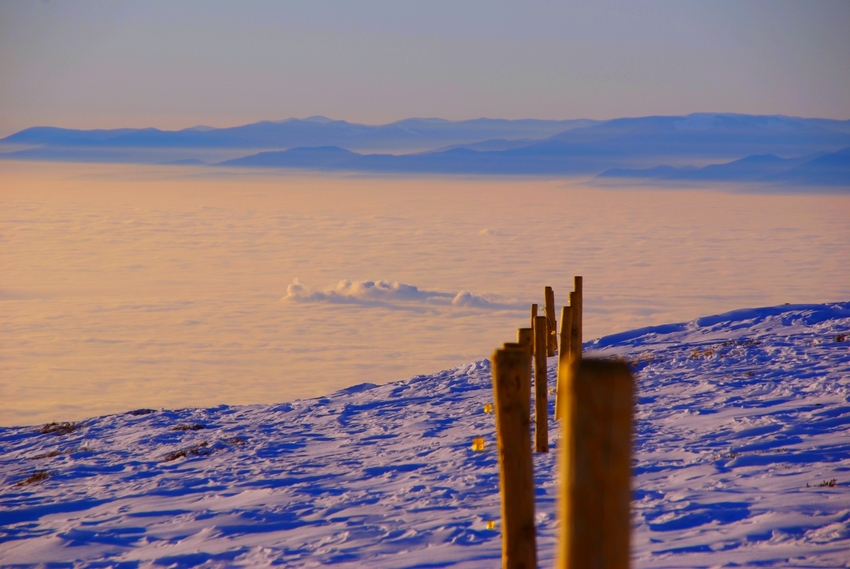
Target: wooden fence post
x,y
533,320
563,358
579,310
575,328
512,392
594,464
551,322
541,403
525,336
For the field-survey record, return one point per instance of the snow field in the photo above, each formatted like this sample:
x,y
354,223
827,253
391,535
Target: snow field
x,y
742,424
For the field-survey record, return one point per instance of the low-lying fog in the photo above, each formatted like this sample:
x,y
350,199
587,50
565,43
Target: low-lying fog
x,y
138,286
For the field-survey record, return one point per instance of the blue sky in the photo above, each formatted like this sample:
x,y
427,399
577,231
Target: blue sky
x,y
88,64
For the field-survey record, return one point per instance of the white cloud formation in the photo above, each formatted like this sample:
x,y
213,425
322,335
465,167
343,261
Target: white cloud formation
x,y
464,298
390,294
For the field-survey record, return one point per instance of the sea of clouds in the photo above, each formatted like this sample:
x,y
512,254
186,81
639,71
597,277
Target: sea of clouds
x,y
140,286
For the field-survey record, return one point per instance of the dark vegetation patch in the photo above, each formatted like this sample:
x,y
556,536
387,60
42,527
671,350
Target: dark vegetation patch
x,y
137,412
204,448
50,454
197,450
741,343
841,337
702,353
645,359
60,428
725,349
716,350
736,454
54,453
189,427
34,478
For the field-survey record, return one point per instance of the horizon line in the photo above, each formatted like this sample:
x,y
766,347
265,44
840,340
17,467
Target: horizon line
x,y
313,118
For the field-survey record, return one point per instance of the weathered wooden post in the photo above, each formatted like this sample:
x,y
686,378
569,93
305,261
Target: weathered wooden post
x,y
551,322
563,358
533,318
541,403
525,336
512,392
579,309
575,328
564,335
594,464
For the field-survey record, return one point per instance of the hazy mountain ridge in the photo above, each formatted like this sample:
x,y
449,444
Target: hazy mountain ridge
x,y
558,159
737,148
830,169
408,134
710,135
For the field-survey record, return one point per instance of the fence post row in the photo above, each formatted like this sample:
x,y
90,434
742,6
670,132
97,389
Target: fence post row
x,y
594,403
512,393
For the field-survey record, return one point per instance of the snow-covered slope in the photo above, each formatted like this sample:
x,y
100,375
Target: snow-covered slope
x,y
742,457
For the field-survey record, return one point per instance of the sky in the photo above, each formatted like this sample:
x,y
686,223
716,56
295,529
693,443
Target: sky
x,y
89,64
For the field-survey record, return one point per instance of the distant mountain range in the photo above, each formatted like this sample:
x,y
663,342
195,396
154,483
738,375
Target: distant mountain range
x,y
405,135
699,147
827,168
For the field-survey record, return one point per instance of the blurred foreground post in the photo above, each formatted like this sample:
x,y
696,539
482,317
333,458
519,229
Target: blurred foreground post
x,y
594,459
512,392
541,404
563,359
551,323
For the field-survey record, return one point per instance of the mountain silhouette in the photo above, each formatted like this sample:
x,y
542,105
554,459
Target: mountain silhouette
x,y
738,147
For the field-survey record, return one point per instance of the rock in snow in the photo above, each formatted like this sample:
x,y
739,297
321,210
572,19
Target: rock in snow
x,y
742,457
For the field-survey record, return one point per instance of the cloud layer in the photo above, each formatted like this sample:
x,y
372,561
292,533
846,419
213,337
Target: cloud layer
x,y
390,295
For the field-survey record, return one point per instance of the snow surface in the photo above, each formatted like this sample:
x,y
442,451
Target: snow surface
x,y
741,419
